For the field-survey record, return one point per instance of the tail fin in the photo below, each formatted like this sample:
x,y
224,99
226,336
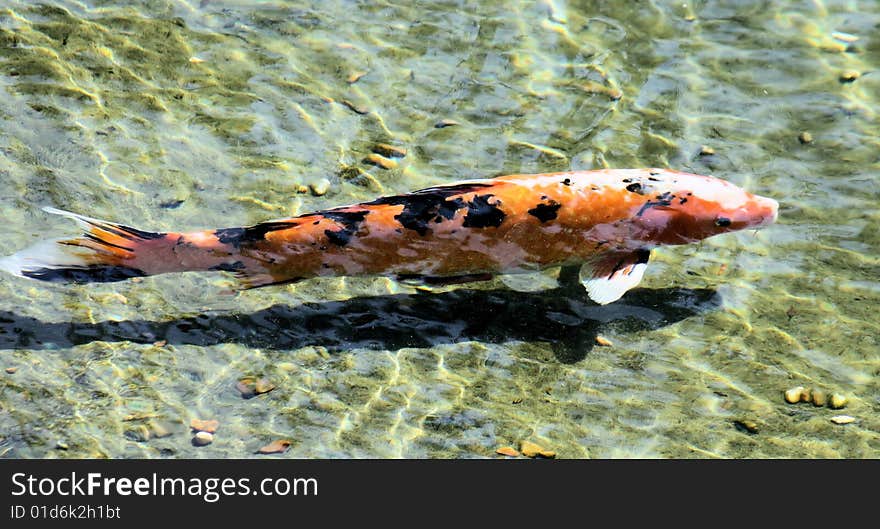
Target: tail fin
x,y
105,252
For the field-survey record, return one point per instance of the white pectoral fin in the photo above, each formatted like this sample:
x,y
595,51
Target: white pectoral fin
x,y
608,278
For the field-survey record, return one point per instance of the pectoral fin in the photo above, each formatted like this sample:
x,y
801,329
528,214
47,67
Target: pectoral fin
x,y
608,278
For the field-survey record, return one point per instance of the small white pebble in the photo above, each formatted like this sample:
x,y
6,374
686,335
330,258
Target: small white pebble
x,y
320,187
793,395
842,419
845,37
838,401
203,438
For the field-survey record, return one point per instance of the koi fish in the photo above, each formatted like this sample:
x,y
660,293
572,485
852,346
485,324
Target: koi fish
x,y
605,221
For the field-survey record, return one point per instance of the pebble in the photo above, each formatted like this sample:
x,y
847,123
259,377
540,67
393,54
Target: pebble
x,y
61,445
264,386
209,425
245,387
705,150
380,161
159,430
842,419
390,151
250,387
838,401
530,449
593,87
807,395
357,109
302,189
353,77
138,433
793,395
845,37
508,451
160,343
747,425
443,123
849,76
275,447
819,398
605,342
320,187
805,137
203,438
11,370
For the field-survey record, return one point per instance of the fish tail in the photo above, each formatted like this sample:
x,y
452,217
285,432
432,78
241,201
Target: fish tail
x,y
105,252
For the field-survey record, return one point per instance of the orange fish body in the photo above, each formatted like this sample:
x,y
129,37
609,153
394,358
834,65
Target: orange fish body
x,y
606,220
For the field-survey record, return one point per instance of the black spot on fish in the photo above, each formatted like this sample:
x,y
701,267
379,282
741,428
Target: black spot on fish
x,y
635,188
251,234
183,242
683,200
643,255
662,200
722,222
626,180
228,267
351,222
423,206
106,243
140,234
566,182
339,238
651,178
229,235
616,268
84,274
482,214
545,212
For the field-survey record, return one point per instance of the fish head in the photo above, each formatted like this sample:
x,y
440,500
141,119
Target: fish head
x,y
681,208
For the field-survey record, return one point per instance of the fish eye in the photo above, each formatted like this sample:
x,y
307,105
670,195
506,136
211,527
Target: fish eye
x,y
722,222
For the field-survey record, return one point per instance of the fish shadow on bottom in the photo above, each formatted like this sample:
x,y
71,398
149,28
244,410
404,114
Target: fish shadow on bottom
x,y
561,317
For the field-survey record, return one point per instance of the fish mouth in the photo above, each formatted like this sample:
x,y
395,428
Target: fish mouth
x,y
766,211
774,210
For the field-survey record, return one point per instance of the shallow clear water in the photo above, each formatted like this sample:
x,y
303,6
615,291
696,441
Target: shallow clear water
x,y
184,115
